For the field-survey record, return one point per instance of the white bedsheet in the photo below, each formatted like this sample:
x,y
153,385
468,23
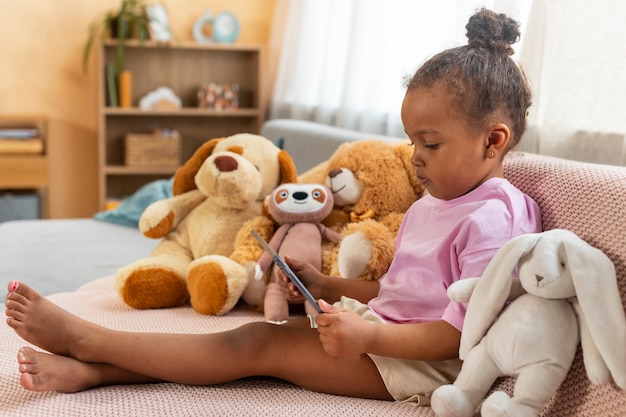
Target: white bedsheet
x,y
60,255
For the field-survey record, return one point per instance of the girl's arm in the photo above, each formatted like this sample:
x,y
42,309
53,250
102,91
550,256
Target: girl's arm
x,y
434,341
344,333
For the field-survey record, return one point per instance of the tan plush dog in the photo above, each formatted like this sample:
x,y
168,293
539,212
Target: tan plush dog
x,y
219,188
566,294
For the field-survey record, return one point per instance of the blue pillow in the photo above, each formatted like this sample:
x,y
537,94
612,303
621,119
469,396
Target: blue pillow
x,y
129,210
280,143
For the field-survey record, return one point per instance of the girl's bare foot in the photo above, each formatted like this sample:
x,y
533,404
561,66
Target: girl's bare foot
x,y
42,323
45,372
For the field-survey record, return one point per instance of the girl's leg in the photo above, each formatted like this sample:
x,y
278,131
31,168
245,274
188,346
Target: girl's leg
x,y
290,352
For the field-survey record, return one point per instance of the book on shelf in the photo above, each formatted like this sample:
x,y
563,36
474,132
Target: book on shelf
x,y
111,86
19,133
13,146
16,140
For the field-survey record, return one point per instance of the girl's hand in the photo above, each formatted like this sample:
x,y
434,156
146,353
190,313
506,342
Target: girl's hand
x,y
343,332
308,274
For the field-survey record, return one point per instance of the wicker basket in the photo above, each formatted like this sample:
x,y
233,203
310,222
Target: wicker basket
x,y
152,149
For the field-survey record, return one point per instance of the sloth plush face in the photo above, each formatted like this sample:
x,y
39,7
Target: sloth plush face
x,y
297,203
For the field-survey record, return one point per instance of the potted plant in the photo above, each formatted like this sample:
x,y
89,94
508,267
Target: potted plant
x,y
130,21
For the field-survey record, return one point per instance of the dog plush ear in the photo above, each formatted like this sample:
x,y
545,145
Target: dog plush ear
x,y
288,171
600,308
493,289
184,178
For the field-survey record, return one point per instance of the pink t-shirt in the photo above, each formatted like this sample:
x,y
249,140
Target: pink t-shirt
x,y
443,241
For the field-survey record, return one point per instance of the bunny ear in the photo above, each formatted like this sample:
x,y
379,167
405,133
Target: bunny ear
x,y
492,290
598,295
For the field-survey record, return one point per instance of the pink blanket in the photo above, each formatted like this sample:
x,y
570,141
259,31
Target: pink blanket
x,y
98,302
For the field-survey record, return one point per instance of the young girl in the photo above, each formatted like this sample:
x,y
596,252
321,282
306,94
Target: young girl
x,y
396,338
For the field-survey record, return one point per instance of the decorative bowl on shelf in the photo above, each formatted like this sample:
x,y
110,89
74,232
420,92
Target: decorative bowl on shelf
x,y
162,98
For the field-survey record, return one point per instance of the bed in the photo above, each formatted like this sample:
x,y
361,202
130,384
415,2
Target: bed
x,y
61,255
73,261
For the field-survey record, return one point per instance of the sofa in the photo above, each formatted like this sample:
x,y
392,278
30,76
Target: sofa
x,y
588,199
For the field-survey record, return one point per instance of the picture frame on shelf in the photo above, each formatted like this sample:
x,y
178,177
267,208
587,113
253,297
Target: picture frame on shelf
x,y
159,23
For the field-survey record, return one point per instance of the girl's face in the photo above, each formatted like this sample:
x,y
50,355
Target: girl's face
x,y
450,157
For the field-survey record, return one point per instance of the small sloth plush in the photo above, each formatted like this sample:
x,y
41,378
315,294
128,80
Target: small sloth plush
x,y
299,209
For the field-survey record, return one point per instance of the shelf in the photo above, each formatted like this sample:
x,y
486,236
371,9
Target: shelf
x,y
27,171
183,67
150,44
23,171
130,170
183,112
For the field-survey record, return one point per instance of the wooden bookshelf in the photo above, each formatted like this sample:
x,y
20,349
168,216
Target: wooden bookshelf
x,y
183,67
26,170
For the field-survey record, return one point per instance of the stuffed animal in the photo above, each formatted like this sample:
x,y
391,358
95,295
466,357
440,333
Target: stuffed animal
x,y
299,210
569,294
219,188
373,184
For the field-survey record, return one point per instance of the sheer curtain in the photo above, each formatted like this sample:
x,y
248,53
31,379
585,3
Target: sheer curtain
x,y
344,63
575,55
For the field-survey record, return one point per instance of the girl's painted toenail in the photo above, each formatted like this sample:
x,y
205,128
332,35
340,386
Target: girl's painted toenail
x,y
15,285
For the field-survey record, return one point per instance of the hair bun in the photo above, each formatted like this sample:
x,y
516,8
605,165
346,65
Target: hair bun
x,y
493,31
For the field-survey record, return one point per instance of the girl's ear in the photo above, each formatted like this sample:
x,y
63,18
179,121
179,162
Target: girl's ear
x,y
498,139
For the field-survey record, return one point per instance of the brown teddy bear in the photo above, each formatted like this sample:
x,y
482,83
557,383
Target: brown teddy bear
x,y
219,188
373,184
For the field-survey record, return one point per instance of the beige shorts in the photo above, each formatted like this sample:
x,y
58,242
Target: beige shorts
x,y
407,380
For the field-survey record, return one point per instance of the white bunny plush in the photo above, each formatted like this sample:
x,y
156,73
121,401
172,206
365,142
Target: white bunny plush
x,y
569,294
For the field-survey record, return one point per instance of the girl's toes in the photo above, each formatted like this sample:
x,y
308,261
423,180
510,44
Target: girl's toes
x,y
26,355
27,381
23,290
12,286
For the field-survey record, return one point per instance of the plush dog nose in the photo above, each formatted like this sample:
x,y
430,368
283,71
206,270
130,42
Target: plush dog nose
x,y
226,163
539,278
